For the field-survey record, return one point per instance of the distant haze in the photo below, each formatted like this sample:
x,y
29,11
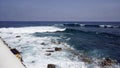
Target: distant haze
x,y
59,10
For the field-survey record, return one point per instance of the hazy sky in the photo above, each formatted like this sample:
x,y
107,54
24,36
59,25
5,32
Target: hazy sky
x,y
59,10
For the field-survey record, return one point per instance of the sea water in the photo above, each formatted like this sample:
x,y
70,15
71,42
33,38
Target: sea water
x,y
78,40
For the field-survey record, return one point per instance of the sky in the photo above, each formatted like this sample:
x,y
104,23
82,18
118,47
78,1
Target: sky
x,y
59,10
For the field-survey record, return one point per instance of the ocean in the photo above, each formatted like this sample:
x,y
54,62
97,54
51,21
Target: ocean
x,y
78,44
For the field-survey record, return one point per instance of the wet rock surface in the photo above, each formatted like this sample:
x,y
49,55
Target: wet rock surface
x,y
17,54
58,49
87,60
18,36
107,62
42,43
49,50
15,51
51,66
48,54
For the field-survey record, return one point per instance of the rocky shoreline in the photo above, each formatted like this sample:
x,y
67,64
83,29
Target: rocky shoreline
x,y
103,63
58,48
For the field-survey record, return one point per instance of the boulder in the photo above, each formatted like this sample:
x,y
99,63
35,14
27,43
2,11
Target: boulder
x,y
43,43
15,51
18,36
58,49
87,60
59,42
33,62
51,66
49,50
84,58
107,62
17,54
48,54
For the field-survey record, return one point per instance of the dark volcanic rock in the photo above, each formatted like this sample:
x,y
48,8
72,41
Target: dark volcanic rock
x,y
48,54
43,43
33,62
15,51
58,49
49,50
18,36
17,54
84,58
107,62
51,66
87,60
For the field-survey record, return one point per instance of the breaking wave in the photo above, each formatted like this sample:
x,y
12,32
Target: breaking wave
x,y
86,25
32,29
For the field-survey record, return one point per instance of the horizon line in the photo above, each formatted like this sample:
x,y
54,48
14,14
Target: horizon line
x,y
58,21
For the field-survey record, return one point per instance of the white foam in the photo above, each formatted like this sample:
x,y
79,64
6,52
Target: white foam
x,y
102,25
82,25
32,29
109,26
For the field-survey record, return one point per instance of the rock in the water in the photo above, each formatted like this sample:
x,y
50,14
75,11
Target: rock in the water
x,y
17,54
51,66
107,62
18,36
87,60
33,62
48,54
58,49
49,50
43,43
15,51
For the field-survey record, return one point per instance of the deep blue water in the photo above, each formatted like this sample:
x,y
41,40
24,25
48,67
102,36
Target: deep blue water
x,y
92,40
39,23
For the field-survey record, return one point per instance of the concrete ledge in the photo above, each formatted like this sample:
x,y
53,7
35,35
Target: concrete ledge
x,y
7,58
